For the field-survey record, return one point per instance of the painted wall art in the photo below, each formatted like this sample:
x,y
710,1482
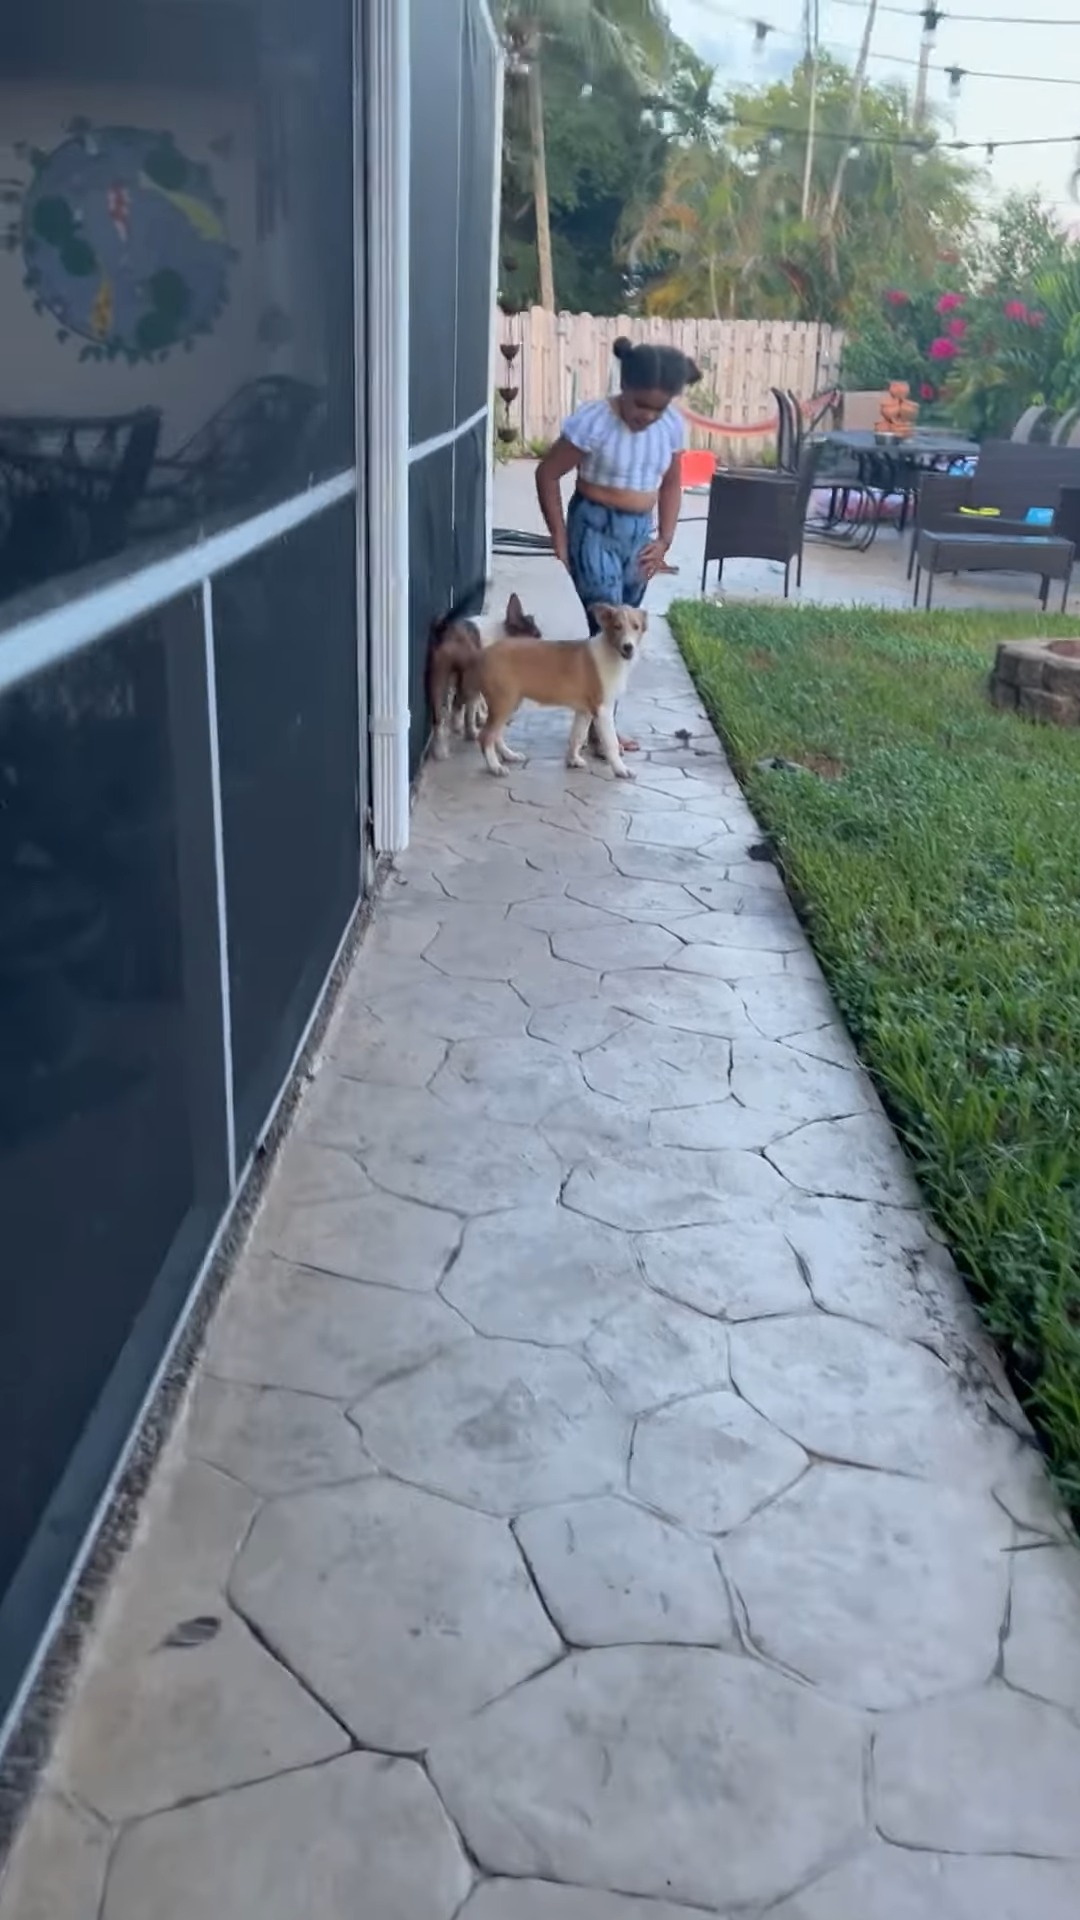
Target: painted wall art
x,y
124,242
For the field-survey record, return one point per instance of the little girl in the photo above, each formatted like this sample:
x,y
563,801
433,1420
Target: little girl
x,y
626,452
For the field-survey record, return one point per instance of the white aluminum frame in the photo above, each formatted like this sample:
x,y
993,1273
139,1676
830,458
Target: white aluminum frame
x,y
386,490
47,639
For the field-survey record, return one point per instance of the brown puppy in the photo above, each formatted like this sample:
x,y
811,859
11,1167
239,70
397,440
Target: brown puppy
x,y
455,643
586,675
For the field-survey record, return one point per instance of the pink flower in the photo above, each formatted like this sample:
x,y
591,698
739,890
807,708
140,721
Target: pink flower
x,y
927,392
1036,319
957,329
949,302
1015,310
897,298
943,349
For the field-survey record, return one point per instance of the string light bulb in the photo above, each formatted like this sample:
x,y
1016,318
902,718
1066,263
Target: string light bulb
x,y
990,152
762,30
955,74
931,18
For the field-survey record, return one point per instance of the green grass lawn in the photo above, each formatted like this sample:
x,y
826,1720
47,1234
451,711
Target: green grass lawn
x,y
936,857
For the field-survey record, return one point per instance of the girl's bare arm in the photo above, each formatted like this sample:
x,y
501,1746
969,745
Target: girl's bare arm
x,y
557,462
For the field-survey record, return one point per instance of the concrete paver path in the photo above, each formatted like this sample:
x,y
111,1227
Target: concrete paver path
x,y
596,1501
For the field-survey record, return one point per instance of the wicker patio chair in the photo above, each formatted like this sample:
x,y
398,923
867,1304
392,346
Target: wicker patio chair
x,y
759,516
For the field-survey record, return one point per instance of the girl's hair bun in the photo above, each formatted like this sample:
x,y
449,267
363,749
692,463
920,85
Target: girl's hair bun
x,y
622,347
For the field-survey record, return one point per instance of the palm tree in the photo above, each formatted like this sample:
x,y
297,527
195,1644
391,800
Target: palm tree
x,y
631,34
729,234
718,230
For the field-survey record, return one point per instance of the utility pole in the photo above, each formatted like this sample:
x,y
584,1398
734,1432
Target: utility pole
x,y
931,20
857,79
811,26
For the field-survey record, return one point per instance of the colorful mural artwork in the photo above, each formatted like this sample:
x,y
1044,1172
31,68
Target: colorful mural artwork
x,y
124,242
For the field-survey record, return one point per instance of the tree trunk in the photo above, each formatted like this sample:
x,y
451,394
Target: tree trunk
x,y
853,117
535,96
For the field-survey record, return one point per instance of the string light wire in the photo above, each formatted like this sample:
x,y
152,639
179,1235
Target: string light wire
x,y
763,27
977,19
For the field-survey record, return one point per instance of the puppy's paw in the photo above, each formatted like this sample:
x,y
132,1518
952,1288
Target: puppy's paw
x,y
510,757
624,773
575,761
440,747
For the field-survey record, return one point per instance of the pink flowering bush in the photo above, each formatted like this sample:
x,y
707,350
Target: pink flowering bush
x,y
975,355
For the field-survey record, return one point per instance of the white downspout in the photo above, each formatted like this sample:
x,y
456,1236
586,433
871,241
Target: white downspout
x,y
495,377
386,479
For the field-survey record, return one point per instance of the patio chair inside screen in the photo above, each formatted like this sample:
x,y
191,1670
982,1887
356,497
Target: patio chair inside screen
x,y
68,489
259,443
759,516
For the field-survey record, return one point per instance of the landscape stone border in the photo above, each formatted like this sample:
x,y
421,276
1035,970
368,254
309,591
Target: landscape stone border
x,y
1040,679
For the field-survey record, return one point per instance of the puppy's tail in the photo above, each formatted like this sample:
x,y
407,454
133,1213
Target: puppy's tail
x,y
462,609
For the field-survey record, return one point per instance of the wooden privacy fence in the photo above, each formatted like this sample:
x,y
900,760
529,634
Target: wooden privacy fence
x,y
565,358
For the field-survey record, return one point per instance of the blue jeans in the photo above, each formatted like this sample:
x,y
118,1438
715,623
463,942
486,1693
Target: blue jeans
x,y
603,546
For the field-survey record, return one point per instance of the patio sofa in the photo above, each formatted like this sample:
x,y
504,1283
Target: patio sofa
x,y
1013,476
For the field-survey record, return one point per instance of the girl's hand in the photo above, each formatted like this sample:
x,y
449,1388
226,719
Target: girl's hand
x,y
652,558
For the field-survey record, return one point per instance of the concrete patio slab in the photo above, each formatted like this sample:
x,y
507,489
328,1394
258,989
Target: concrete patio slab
x,y
593,1429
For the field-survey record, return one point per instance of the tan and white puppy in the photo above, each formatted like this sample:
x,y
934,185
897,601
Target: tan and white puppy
x,y
588,676
455,641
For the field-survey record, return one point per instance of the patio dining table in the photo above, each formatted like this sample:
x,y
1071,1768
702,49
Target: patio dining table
x,y
883,470
926,444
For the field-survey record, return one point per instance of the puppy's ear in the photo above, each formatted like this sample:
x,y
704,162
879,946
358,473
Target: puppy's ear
x,y
515,612
643,622
603,612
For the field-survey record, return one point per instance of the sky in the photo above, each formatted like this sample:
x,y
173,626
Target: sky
x,y
987,110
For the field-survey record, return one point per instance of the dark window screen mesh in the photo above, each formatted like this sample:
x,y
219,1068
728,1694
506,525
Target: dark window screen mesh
x,y
285,648
431,575
176,291
178,328
476,165
112,1144
454,70
434,262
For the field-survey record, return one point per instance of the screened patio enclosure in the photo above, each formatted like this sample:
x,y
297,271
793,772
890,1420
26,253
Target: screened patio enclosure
x,y
243,463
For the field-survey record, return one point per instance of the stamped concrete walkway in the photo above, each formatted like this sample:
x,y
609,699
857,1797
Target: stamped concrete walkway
x,y
596,1502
